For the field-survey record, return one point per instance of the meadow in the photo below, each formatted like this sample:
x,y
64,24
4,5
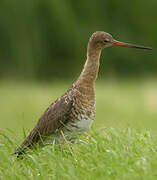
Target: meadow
x,y
122,143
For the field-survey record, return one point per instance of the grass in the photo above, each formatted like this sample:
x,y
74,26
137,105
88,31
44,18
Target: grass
x,y
121,145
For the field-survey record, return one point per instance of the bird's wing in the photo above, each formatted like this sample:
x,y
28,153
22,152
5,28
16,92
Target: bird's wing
x,y
53,118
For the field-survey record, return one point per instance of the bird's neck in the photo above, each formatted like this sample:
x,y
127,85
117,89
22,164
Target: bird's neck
x,y
91,68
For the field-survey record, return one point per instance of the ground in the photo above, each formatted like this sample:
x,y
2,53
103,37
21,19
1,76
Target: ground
x,y
122,143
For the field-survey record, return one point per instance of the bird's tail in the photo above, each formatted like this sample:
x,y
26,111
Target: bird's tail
x,y
28,143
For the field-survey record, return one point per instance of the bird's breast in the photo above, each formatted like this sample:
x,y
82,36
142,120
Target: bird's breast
x,y
82,113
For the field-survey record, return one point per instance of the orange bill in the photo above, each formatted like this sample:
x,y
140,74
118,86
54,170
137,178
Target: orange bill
x,y
118,43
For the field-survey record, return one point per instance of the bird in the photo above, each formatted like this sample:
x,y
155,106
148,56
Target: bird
x,y
73,113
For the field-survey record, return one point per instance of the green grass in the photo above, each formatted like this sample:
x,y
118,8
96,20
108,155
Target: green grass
x,y
121,145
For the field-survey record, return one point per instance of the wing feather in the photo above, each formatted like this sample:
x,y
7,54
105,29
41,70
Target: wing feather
x,y
52,119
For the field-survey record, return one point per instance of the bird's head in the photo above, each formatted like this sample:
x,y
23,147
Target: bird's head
x,y
100,40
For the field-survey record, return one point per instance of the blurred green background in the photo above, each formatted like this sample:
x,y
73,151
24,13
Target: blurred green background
x,y
43,48
48,39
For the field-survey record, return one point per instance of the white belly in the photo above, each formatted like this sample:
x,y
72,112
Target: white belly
x,y
83,123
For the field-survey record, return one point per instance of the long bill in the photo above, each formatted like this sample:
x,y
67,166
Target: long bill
x,y
122,44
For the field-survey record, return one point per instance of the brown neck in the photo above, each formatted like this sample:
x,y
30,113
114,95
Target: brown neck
x,y
91,67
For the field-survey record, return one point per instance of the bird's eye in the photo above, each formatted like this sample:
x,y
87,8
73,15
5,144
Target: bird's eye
x,y
106,40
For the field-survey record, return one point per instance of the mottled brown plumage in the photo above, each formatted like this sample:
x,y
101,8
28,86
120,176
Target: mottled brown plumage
x,y
74,111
